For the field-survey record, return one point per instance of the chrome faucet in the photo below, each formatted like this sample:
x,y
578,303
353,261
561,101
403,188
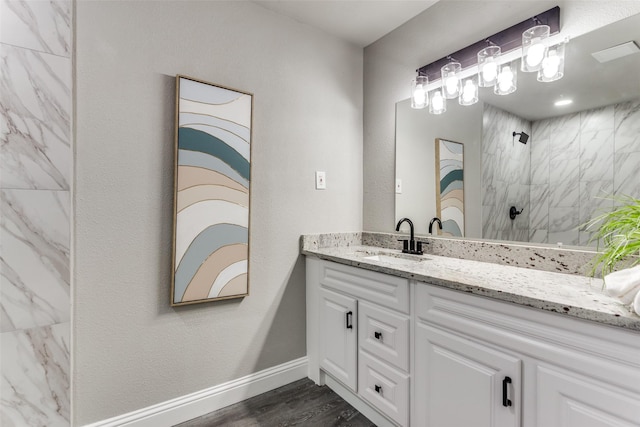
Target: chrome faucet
x,y
436,219
409,246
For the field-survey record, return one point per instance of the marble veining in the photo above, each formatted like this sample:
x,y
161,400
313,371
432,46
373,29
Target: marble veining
x,y
627,127
35,377
35,102
34,258
44,26
506,175
596,155
586,158
626,180
566,294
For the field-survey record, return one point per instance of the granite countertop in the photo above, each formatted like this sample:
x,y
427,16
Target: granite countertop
x,y
572,295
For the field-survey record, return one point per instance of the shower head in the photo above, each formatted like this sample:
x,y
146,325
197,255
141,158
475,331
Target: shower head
x,y
523,137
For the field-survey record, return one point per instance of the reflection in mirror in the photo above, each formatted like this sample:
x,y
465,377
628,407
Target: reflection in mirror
x,y
577,155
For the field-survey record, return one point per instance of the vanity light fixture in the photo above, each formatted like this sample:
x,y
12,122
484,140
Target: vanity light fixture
x,y
507,80
534,47
552,68
438,103
469,93
451,80
419,94
494,64
488,66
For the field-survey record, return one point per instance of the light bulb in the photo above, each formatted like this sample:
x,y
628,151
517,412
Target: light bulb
x,y
437,101
535,54
451,85
489,71
505,79
419,95
468,92
551,65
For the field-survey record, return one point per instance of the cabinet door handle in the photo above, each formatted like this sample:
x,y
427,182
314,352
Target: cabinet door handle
x,y
505,401
378,388
378,335
349,321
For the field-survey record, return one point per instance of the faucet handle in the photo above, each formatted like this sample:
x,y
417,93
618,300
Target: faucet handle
x,y
405,245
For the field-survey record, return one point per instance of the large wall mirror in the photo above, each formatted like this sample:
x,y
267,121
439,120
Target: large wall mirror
x,y
577,155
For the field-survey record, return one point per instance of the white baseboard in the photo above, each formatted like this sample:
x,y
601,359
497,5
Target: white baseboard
x,y
202,402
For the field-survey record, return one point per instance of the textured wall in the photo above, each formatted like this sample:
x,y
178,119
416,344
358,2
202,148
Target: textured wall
x,y
390,64
505,175
131,349
577,161
35,171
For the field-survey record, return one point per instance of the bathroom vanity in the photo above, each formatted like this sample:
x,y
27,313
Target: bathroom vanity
x,y
446,342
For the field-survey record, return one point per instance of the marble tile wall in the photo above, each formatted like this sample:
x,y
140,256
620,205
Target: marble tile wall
x,y
505,175
35,172
577,161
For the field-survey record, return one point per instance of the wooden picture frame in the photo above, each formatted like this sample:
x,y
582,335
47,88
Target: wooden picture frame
x,y
211,192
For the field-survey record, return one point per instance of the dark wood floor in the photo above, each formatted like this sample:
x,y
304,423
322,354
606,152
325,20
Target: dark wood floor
x,y
301,403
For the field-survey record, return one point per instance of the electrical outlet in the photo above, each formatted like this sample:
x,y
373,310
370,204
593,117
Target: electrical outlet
x,y
398,186
321,180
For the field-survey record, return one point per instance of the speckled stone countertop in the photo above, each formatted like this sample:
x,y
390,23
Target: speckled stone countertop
x,y
571,295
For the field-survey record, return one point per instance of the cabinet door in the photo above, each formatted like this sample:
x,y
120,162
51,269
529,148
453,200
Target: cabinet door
x,y
459,382
338,337
567,399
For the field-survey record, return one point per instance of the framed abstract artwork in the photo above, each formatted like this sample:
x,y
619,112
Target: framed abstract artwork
x,y
450,186
211,200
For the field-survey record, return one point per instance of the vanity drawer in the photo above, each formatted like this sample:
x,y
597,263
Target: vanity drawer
x,y
382,289
384,387
384,334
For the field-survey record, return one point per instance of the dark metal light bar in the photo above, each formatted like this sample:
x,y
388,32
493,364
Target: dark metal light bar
x,y
508,40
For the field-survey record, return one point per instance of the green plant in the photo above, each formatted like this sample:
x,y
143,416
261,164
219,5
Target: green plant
x,y
619,233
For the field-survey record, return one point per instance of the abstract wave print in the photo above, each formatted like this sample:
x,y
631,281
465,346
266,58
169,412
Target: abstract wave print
x,y
451,187
212,200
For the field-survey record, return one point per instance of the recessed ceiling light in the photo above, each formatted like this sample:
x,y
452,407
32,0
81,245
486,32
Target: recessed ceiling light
x,y
563,102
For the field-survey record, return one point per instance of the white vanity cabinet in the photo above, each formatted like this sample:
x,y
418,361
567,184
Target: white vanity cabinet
x,y
562,372
460,382
406,353
358,323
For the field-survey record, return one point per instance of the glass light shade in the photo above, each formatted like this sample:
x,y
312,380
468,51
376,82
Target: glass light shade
x,y
438,103
507,80
488,66
419,94
469,93
534,47
553,64
451,80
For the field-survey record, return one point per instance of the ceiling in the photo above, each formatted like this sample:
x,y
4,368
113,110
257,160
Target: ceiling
x,y
359,21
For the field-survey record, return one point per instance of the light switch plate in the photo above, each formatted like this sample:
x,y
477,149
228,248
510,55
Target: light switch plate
x,y
321,180
398,186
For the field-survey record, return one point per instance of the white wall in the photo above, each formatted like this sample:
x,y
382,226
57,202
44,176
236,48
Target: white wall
x,y
131,349
446,27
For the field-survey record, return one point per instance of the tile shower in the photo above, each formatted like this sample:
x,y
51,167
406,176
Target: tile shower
x,y
574,161
35,176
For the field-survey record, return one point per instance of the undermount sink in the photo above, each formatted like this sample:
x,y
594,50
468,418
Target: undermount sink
x,y
396,259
